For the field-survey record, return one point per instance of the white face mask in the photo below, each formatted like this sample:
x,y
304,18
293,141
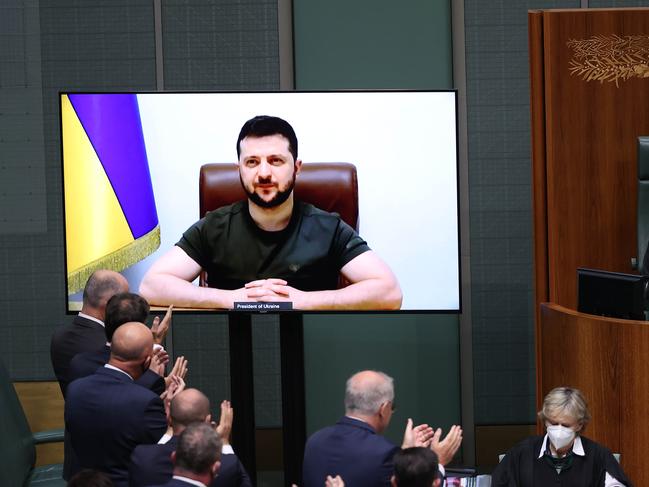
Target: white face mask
x,y
560,436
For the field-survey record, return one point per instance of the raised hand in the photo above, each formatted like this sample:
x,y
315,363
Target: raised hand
x,y
179,370
174,387
446,448
224,428
159,359
419,435
161,328
334,481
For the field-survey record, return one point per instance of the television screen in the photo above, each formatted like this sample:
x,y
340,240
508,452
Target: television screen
x,y
612,294
131,165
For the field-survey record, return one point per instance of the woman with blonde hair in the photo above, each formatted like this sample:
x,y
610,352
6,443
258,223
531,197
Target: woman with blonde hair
x,y
562,457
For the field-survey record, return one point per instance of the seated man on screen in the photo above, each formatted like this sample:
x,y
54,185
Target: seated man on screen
x,y
271,248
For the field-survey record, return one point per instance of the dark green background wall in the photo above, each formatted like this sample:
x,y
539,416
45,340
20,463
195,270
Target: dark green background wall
x,y
369,44
48,45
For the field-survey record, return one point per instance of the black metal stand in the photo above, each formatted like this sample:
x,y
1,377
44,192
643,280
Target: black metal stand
x,y
293,397
242,389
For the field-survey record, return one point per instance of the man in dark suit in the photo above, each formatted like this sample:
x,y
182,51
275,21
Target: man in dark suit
x,y
86,332
121,308
124,308
107,414
196,459
151,464
354,448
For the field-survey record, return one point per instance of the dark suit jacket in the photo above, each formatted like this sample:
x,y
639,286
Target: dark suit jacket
x,y
175,483
151,464
82,335
87,363
107,416
352,449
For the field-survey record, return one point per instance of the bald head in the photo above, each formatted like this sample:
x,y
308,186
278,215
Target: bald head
x,y
366,391
100,287
132,342
189,406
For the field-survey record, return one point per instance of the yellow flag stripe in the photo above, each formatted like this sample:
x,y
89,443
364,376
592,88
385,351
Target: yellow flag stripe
x,y
94,221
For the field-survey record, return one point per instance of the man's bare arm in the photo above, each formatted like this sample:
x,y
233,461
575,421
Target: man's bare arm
x,y
169,281
374,286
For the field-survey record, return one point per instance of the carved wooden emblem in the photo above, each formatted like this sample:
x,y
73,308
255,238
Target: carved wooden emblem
x,y
610,58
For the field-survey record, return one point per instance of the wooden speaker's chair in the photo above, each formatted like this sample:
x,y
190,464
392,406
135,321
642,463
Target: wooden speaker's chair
x,y
330,186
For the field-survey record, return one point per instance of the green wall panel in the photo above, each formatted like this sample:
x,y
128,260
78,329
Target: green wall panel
x,y
378,45
419,351
372,44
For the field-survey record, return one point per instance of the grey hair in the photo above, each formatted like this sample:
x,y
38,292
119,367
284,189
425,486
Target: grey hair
x,y
199,446
567,401
366,397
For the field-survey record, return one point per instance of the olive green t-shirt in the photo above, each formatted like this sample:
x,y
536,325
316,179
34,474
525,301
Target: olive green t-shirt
x,y
308,253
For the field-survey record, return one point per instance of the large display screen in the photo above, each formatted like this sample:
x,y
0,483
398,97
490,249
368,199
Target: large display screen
x,y
131,166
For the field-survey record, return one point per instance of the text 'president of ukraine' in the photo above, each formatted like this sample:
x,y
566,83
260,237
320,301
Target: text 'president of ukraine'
x,y
271,248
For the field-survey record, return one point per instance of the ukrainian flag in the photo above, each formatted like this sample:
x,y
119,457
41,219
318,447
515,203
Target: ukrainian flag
x,y
110,214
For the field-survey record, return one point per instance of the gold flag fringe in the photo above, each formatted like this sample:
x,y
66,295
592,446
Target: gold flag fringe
x,y
116,261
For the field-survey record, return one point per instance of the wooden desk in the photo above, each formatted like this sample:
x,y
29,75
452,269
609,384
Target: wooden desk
x,y
607,359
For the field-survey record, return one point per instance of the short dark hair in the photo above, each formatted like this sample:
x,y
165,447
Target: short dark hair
x,y
415,467
199,446
263,125
100,286
90,478
123,308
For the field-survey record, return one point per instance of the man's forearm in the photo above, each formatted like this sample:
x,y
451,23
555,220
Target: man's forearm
x,y
370,294
164,289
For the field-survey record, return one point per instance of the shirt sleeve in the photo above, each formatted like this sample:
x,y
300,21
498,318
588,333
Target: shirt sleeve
x,y
610,481
348,244
192,242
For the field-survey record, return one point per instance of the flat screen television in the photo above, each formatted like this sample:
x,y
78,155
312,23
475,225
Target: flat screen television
x,y
612,294
131,171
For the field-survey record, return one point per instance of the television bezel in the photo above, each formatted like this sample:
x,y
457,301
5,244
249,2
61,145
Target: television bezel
x,y
155,309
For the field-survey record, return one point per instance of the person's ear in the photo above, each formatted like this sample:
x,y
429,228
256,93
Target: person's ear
x,y
384,408
216,466
298,166
208,418
147,363
173,457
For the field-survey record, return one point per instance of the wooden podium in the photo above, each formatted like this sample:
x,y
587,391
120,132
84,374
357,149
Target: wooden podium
x,y
608,359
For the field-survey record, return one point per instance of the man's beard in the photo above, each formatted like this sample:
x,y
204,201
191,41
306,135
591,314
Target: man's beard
x,y
280,197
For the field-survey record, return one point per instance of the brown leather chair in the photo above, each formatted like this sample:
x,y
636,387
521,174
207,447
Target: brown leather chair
x,y
330,186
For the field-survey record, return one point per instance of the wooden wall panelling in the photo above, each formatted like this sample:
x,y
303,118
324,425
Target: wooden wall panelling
x,y
634,400
43,405
539,201
589,130
582,351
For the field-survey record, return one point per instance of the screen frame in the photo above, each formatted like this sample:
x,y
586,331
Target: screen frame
x,y
70,310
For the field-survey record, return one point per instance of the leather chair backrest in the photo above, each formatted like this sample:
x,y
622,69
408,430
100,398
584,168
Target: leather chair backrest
x,y
17,448
330,186
643,200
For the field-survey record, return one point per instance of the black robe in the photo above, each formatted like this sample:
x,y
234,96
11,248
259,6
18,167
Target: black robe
x,y
522,467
